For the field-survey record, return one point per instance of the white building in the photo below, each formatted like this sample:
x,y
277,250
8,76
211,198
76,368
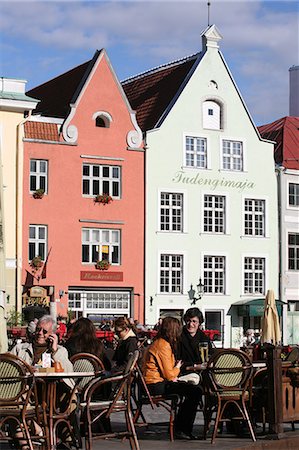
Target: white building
x,y
211,193
285,132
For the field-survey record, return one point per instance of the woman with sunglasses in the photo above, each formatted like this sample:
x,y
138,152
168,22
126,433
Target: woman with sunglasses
x,y
127,343
45,341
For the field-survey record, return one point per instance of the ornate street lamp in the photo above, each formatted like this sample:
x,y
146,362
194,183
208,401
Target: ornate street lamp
x,y
200,292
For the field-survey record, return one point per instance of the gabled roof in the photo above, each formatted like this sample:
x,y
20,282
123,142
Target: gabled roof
x,y
151,93
57,94
285,132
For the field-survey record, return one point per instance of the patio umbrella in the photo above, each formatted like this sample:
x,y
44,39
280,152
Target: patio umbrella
x,y
270,324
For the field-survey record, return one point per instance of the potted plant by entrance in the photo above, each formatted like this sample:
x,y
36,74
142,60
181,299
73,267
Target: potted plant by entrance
x,y
103,264
39,193
36,263
103,198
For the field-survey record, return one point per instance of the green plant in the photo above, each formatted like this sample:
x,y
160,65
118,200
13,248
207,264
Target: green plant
x,y
36,263
14,318
103,264
103,198
39,193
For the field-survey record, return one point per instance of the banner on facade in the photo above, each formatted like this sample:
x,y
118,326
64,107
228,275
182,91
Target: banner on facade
x,y
101,276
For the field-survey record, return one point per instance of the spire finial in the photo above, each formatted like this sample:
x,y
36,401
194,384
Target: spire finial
x,y
209,4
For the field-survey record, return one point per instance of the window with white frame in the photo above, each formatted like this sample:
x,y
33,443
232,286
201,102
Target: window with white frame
x,y
100,244
196,152
101,179
38,178
171,274
99,300
294,194
254,275
254,217
232,155
75,300
214,214
37,241
293,251
214,274
171,211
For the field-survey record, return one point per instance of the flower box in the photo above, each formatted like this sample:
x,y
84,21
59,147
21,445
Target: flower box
x,y
38,194
36,263
102,265
105,199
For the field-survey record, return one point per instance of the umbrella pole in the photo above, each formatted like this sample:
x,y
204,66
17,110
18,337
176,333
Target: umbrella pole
x,y
274,366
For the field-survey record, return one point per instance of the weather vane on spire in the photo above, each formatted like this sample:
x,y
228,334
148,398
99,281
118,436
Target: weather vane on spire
x,y
209,4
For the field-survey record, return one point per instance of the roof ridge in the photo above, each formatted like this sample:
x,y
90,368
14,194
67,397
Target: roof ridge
x,y
159,68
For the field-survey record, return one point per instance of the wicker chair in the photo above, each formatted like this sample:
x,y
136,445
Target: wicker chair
x,y
19,409
86,362
120,401
226,381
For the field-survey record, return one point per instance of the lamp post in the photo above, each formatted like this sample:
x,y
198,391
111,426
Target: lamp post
x,y
200,291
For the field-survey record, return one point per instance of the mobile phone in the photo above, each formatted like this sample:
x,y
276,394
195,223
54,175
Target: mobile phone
x,y
49,344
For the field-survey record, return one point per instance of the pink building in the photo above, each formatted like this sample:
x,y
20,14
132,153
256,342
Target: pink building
x,y
83,144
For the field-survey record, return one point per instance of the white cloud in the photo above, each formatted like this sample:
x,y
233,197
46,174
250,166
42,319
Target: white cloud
x,y
260,41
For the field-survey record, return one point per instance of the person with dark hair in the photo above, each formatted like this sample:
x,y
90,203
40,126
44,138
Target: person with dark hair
x,y
83,339
191,339
161,371
127,343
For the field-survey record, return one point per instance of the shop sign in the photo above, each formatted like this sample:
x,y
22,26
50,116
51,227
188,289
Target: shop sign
x,y
101,276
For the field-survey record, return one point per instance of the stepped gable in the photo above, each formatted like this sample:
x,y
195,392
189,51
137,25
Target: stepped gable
x,y
285,132
56,95
151,93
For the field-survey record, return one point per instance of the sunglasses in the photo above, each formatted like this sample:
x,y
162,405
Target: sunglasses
x,y
41,329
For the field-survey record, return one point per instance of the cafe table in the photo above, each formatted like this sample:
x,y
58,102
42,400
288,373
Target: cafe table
x,y
51,410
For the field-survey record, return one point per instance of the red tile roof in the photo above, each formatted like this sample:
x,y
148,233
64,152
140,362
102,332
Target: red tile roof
x,y
285,132
41,130
151,93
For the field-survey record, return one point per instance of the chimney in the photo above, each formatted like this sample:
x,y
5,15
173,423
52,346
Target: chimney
x,y
294,91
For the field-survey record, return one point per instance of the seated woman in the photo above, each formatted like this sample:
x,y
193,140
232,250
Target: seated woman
x,y
191,339
127,343
83,339
161,373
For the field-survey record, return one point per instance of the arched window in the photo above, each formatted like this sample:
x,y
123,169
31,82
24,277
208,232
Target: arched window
x,y
211,113
100,122
102,119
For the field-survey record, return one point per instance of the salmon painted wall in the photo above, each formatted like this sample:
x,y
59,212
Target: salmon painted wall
x,y
64,207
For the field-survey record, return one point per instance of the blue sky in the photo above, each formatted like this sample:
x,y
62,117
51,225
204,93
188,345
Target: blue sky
x,y
42,39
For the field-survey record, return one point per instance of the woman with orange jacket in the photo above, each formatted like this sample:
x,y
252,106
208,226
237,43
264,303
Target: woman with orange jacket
x,y
161,373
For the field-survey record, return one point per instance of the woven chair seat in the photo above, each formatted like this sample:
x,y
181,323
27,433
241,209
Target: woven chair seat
x,y
227,378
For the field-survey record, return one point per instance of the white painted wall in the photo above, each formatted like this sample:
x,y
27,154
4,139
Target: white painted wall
x,y
164,162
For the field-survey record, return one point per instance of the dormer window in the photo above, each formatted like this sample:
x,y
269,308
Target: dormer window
x,y
211,113
102,119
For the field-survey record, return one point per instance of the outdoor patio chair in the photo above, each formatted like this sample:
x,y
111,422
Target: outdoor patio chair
x,y
119,401
19,409
226,382
142,396
86,362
